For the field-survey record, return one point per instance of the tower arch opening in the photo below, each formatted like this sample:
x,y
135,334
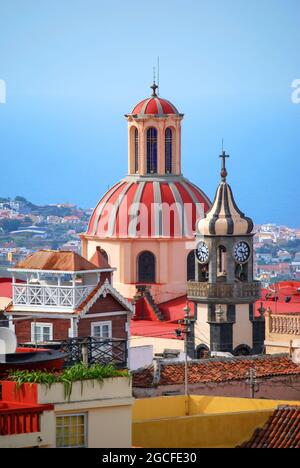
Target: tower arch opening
x,y
169,150
152,150
222,261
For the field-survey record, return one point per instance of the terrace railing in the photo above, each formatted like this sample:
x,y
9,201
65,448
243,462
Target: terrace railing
x,y
284,324
95,350
50,296
20,420
219,291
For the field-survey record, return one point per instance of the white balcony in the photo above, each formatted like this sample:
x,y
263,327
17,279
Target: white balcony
x,y
50,297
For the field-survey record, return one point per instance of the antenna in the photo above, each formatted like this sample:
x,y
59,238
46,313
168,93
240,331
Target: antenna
x,y
158,75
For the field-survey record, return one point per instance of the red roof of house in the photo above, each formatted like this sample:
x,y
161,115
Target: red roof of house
x,y
154,329
56,260
221,370
281,291
282,430
6,287
173,309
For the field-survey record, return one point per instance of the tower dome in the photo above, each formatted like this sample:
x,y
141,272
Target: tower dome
x,y
154,105
224,218
149,208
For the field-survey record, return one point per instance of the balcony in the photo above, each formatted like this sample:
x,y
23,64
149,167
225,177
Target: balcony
x,y
48,296
216,292
285,325
19,420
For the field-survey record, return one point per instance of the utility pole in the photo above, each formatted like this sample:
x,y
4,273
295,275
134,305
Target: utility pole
x,y
252,382
187,330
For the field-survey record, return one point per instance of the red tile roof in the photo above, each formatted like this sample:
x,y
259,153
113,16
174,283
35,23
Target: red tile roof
x,y
223,370
55,260
282,430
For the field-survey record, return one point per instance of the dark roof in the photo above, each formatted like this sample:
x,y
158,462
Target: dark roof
x,y
218,370
282,430
56,260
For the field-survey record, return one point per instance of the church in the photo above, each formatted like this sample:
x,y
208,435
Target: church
x,y
169,244
145,223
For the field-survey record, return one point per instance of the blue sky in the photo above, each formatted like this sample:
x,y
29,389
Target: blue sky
x,y
73,68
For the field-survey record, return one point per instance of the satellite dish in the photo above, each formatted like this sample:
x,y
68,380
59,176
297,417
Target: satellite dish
x,y
8,341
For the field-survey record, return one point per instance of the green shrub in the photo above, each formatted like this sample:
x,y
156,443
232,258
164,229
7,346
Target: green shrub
x,y
78,372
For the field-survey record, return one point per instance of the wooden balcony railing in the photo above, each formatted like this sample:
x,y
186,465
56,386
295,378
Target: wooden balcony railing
x,y
223,290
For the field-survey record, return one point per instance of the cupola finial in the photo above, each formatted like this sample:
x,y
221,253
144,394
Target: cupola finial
x,y
224,170
154,87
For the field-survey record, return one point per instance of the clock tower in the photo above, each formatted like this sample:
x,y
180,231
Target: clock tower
x,y
224,290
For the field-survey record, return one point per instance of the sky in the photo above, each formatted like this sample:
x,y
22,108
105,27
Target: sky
x,y
73,68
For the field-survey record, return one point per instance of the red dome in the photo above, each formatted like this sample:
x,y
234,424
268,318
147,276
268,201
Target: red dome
x,y
149,209
154,106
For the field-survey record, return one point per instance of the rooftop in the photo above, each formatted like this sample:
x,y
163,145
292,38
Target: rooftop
x,y
282,430
54,260
216,370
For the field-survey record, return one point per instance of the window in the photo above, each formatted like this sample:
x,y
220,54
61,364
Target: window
x,y
146,268
191,266
101,329
151,150
41,332
136,151
168,150
71,431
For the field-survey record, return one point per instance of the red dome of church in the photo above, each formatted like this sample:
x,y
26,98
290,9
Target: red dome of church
x,y
154,105
149,209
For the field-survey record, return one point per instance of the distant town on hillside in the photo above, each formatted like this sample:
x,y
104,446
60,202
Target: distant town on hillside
x,y
26,227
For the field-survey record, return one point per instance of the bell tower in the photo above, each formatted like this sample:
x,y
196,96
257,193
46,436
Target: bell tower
x,y
154,138
224,289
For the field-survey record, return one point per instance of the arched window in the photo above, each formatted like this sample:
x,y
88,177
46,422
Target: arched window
x,y
242,350
136,151
151,150
191,266
168,150
146,268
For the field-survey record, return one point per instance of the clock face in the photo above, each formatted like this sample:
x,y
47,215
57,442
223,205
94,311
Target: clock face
x,y
241,252
202,252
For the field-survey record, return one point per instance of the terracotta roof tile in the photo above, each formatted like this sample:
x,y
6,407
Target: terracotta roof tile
x,y
56,260
143,377
282,430
223,370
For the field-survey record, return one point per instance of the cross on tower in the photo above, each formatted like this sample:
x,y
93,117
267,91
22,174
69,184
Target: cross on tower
x,y
223,170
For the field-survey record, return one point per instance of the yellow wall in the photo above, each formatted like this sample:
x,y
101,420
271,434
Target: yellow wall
x,y
213,421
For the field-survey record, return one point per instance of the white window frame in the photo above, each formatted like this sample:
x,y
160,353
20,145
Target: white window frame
x,y
100,324
42,325
70,415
